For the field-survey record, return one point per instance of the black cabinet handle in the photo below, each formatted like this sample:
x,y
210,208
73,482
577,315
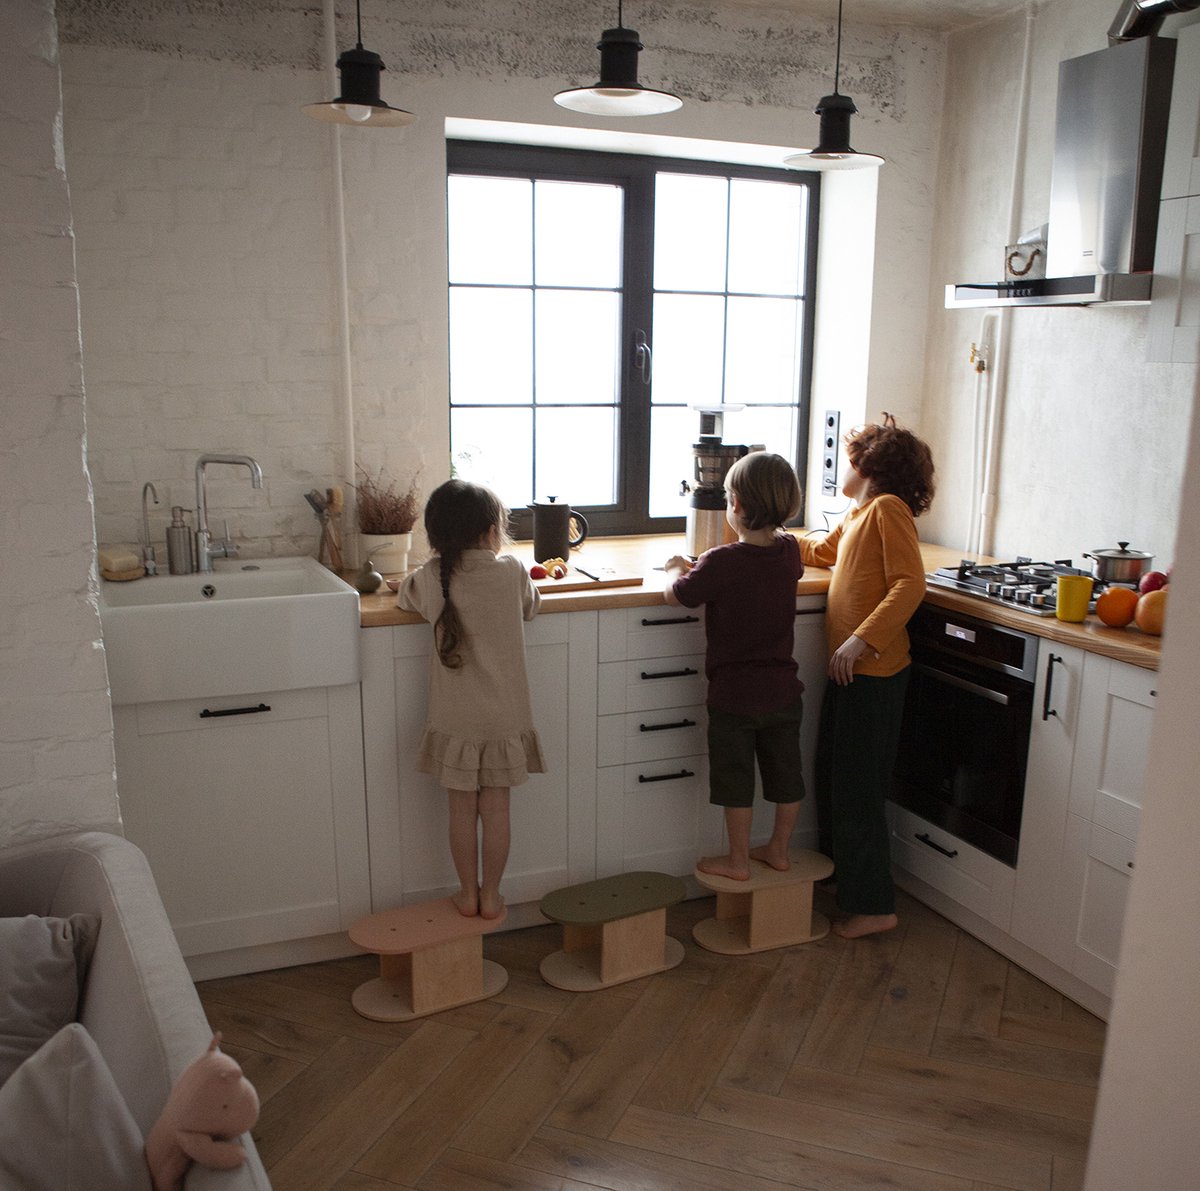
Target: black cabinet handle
x,y
206,714
666,777
924,838
686,672
1047,710
671,620
664,727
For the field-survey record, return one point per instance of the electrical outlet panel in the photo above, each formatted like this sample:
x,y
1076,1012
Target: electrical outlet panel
x,y
829,452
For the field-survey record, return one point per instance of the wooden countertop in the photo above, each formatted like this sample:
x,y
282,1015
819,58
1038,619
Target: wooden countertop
x,y
641,555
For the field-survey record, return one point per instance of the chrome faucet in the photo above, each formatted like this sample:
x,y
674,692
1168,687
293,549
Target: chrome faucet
x,y
149,560
206,551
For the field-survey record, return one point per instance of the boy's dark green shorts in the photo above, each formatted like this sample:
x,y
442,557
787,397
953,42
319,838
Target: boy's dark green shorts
x,y
735,742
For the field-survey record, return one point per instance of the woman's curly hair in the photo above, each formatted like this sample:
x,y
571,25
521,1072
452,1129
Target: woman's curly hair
x,y
894,461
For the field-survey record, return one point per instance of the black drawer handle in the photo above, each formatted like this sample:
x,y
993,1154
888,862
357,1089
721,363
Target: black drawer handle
x,y
206,714
664,727
686,672
666,777
670,620
924,838
1047,710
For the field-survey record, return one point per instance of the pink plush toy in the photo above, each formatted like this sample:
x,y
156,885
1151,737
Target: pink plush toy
x,y
211,1103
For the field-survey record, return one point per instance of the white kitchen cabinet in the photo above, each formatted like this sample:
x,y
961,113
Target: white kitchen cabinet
x,y
1045,884
251,812
552,814
652,808
1111,752
1082,809
1173,327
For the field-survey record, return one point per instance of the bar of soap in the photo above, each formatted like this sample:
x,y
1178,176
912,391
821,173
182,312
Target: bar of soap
x,y
117,560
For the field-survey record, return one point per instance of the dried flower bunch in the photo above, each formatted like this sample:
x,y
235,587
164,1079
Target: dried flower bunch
x,y
383,508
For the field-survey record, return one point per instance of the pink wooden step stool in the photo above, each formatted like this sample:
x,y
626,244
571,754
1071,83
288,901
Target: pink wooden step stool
x,y
771,909
430,959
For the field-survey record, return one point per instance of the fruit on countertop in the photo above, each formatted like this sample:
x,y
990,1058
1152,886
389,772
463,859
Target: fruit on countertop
x,y
1151,612
1116,606
537,571
1152,581
555,568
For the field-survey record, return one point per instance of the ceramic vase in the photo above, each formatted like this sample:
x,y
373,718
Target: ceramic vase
x,y
388,551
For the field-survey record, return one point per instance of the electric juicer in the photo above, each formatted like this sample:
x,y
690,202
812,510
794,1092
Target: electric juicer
x,y
706,524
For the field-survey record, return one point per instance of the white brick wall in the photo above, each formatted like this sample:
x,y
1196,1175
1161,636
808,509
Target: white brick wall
x,y
56,754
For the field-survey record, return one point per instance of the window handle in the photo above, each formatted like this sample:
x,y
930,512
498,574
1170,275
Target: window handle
x,y
642,358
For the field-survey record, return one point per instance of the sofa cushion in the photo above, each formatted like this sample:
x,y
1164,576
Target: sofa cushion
x,y
43,964
63,1123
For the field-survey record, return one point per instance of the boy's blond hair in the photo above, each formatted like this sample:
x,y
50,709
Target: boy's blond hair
x,y
767,487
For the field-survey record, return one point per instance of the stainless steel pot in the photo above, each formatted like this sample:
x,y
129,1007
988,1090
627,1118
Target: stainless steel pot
x,y
1121,565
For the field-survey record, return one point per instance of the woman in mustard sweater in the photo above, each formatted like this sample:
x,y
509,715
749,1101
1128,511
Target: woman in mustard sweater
x,y
878,582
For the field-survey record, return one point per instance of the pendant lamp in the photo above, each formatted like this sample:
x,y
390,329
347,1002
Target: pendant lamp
x,y
618,93
833,150
359,102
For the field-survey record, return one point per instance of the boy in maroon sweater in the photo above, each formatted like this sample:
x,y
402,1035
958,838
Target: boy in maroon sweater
x,y
748,590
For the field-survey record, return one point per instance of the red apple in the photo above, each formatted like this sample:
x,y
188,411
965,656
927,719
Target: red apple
x,y
1152,581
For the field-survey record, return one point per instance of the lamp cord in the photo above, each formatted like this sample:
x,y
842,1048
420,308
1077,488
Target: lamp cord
x,y
358,18
837,65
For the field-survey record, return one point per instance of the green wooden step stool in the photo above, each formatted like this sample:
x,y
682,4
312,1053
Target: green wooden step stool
x,y
430,959
614,930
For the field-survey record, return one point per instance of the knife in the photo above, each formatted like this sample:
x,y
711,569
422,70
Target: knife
x,y
588,574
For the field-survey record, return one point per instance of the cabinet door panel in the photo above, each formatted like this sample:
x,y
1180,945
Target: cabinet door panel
x,y
656,816
1106,876
236,820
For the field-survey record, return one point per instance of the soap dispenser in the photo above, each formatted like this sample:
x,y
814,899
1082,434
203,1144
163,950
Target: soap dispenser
x,y
368,578
180,543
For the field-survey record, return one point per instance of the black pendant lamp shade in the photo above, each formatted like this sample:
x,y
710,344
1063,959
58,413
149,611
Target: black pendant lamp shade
x,y
618,93
358,101
833,151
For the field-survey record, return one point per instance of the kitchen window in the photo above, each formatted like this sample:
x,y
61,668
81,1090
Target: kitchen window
x,y
596,301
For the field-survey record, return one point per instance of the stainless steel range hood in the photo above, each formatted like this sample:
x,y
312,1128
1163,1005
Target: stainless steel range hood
x,y
1110,130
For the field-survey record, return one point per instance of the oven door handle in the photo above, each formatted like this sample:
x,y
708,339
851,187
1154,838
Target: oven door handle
x,y
964,684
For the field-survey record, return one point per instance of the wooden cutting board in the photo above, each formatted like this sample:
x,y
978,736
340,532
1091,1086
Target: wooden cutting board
x,y
609,577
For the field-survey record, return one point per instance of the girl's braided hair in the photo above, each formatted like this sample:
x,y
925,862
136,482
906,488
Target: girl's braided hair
x,y
458,515
894,461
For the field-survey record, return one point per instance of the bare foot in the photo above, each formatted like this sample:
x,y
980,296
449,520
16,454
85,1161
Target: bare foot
x,y
723,866
466,903
858,926
776,858
491,905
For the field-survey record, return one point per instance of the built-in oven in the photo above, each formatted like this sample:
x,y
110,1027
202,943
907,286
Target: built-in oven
x,y
965,735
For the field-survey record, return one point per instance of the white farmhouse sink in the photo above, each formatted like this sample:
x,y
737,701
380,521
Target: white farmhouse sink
x,y
268,624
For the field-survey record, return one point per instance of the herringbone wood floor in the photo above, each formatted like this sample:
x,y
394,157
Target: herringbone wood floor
x,y
916,1061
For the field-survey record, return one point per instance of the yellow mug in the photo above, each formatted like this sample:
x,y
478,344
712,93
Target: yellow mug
x,y
1074,593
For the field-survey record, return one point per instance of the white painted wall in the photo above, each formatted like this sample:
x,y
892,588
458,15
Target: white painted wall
x,y
1092,447
205,243
56,753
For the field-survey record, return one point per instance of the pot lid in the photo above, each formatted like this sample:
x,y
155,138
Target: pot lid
x,y
1122,551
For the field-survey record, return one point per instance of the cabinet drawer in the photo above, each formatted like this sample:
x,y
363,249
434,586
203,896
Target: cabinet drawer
x,y
651,683
648,736
1102,908
212,715
627,633
975,880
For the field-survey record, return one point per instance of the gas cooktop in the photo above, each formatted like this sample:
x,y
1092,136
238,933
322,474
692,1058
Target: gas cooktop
x,y
1025,585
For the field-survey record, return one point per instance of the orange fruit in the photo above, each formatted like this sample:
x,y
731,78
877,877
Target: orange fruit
x,y
1116,606
1151,609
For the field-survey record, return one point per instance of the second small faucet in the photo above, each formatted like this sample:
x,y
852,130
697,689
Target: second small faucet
x,y
206,551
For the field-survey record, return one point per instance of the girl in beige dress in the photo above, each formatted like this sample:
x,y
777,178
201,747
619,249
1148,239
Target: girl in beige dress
x,y
479,738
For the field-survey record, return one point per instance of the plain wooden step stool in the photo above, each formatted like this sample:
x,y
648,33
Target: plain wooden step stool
x,y
430,959
771,909
614,929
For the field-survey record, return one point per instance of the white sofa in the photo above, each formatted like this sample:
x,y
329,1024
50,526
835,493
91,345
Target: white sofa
x,y
138,1003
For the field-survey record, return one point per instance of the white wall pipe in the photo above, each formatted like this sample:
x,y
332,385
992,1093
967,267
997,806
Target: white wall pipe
x,y
341,281
999,368
982,352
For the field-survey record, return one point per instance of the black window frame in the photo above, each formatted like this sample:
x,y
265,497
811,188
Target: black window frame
x,y
635,173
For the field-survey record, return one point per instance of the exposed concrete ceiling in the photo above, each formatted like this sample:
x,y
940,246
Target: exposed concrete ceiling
x,y
927,14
